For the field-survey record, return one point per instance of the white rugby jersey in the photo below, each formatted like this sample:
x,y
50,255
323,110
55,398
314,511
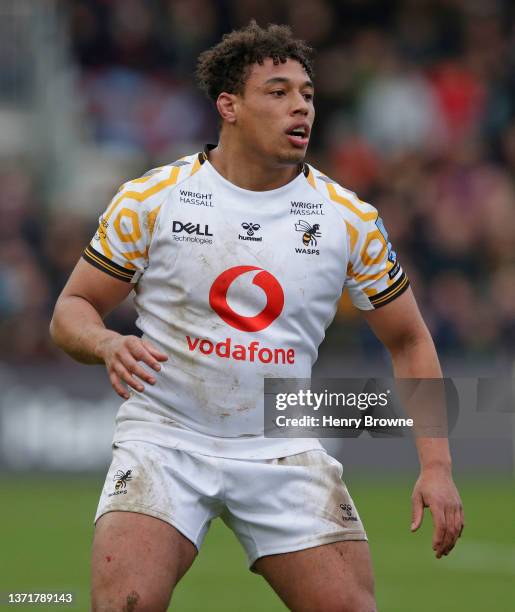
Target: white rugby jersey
x,y
235,286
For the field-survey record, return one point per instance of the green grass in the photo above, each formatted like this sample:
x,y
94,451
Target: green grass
x,y
46,533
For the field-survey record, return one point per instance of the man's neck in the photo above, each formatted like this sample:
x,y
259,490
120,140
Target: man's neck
x,y
245,170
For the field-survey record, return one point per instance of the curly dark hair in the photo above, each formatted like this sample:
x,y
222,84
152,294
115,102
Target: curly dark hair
x,y
226,66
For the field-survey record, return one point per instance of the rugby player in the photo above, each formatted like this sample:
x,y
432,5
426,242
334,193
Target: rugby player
x,y
237,256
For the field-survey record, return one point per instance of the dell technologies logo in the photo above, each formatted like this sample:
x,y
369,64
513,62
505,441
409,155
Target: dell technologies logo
x,y
193,232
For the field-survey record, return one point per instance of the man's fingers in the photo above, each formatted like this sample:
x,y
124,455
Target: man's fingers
x,y
117,386
123,364
439,531
146,357
454,527
448,549
437,490
417,511
127,377
154,351
451,533
459,520
133,367
142,351
454,518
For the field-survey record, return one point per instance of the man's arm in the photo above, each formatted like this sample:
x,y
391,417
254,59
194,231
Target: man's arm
x,y
77,327
400,327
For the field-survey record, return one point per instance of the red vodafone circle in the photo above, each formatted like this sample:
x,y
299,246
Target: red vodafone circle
x,y
264,280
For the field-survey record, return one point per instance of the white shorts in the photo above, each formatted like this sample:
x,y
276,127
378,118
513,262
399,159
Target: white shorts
x,y
272,505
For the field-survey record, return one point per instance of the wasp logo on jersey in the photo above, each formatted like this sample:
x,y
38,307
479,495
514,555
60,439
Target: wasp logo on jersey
x,y
310,233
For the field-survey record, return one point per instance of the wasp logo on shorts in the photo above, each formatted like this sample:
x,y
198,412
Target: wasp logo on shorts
x,y
121,479
347,513
310,233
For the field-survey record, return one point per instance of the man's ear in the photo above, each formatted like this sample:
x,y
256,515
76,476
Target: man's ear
x,y
226,105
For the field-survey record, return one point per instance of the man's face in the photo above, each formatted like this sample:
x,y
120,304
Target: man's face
x,y
275,113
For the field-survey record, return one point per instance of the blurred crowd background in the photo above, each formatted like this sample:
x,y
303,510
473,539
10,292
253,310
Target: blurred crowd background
x,y
415,108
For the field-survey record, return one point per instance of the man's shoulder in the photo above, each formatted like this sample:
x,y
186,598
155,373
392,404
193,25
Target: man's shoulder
x,y
158,182
344,201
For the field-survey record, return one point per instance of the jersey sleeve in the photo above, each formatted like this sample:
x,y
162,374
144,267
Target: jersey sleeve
x,y
121,244
374,275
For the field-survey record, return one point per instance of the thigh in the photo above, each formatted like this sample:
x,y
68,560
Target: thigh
x,y
181,489
136,562
334,578
285,505
154,511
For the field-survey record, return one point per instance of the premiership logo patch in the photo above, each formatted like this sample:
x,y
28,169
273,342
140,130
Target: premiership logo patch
x,y
392,255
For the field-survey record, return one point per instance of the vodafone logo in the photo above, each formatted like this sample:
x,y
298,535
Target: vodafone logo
x,y
265,281
227,348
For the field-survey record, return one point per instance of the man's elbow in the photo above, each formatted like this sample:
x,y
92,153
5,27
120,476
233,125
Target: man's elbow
x,y
411,340
58,326
54,326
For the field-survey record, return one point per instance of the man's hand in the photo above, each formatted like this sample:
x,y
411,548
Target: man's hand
x,y
401,329
436,490
121,355
78,328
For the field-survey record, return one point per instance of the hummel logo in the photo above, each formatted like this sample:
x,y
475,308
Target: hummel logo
x,y
250,229
347,509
